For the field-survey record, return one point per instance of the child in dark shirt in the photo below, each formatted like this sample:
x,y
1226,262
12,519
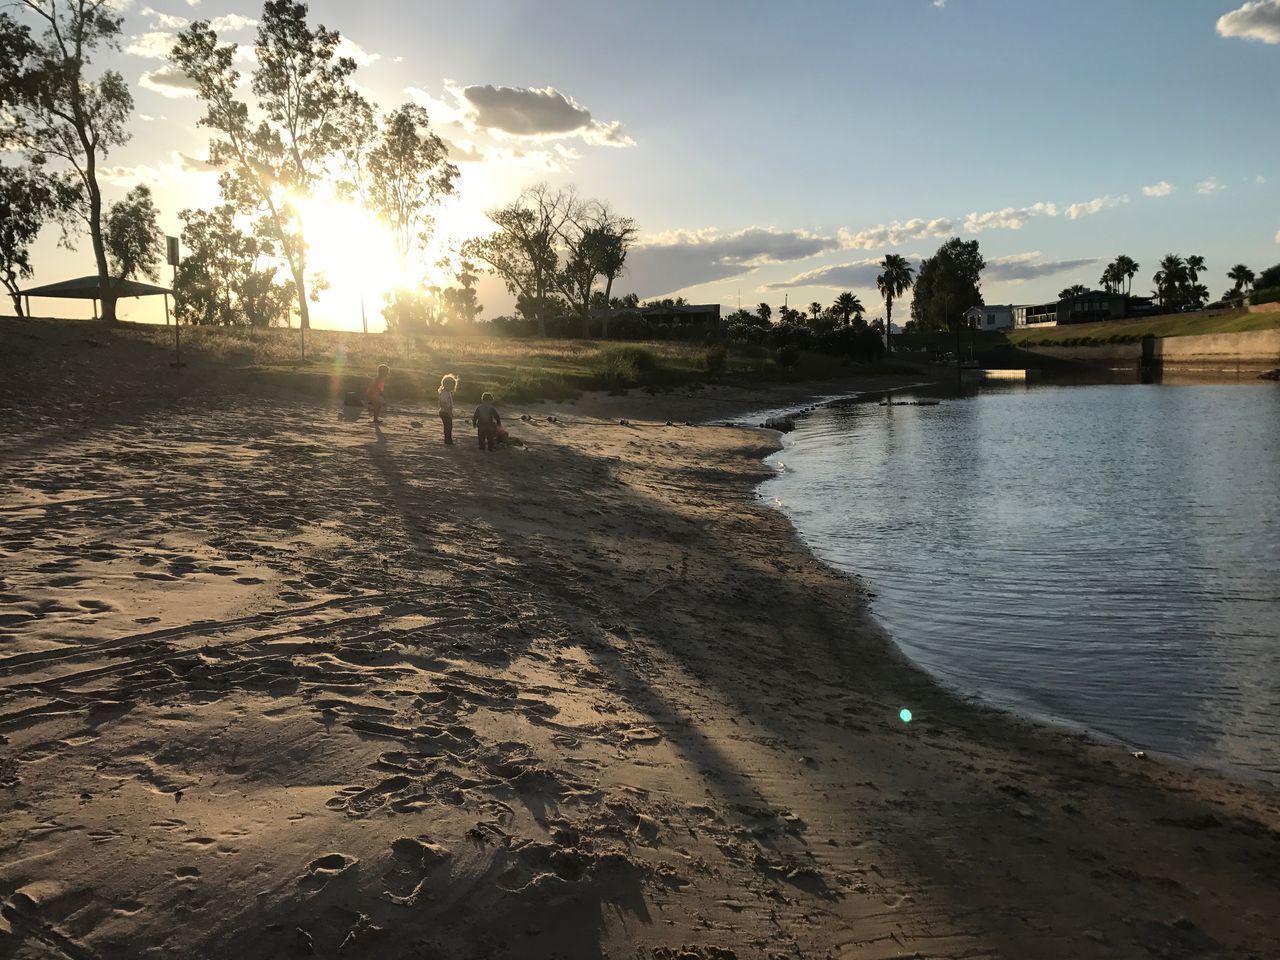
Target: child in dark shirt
x,y
486,421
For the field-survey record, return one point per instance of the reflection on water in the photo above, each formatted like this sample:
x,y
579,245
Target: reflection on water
x,y
1104,555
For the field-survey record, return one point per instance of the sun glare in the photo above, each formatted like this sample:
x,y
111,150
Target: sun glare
x,y
357,257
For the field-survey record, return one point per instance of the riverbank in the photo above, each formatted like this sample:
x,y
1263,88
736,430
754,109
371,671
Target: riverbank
x,y
272,682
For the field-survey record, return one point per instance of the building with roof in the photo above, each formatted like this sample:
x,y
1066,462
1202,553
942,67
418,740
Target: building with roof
x,y
1093,306
990,316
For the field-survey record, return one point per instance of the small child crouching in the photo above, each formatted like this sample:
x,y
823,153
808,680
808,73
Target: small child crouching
x,y
487,423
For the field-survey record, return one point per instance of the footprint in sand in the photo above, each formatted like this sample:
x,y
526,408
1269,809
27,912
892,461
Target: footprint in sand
x,y
331,864
323,869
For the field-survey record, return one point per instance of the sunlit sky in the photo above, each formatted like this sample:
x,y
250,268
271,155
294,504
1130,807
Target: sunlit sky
x,y
770,150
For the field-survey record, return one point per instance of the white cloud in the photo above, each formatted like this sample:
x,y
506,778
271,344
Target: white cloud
x,y
538,113
1010,218
523,113
1259,179
1090,207
154,45
897,233
231,23
177,165
1278,236
663,263
349,48
1018,267
1257,20
166,20
463,151
169,82
443,112
1210,186
839,276
1161,189
939,3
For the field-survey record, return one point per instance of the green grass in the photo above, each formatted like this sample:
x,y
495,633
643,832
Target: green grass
x,y
515,370
1130,331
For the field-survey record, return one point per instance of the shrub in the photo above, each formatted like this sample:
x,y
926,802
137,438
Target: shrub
x,y
644,361
621,367
1266,295
788,356
526,385
714,361
854,343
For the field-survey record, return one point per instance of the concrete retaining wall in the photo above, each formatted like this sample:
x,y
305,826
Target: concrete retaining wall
x,y
1252,346
1104,354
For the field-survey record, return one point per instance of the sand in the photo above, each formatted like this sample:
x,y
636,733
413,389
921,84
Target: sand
x,y
274,684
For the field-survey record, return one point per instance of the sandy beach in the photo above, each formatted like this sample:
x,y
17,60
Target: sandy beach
x,y
275,684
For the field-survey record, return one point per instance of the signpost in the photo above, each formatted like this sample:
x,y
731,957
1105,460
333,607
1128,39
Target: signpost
x,y
171,245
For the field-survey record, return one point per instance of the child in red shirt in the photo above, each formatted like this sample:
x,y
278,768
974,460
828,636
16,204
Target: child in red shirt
x,y
374,394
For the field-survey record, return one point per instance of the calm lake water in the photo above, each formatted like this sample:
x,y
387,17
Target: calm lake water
x,y
1106,556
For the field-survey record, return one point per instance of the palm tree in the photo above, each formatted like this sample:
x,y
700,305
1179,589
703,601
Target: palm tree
x,y
1171,278
895,280
1111,278
815,310
1127,267
1197,293
1243,277
1195,264
848,306
765,312
1075,290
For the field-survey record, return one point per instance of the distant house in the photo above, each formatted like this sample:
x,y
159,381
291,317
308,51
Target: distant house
x,y
1091,307
1036,315
990,316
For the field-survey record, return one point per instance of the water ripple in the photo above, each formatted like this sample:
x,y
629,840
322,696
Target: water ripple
x,y
1106,556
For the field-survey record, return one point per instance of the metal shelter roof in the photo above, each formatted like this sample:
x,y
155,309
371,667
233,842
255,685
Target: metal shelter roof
x,y
91,288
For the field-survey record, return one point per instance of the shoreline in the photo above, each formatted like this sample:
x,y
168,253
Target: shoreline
x,y
1011,706
592,698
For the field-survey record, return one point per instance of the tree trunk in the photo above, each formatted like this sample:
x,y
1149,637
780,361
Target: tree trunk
x,y
105,280
888,321
608,291
300,281
17,303
541,306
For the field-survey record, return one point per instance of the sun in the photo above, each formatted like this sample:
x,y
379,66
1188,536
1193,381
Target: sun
x,y
356,255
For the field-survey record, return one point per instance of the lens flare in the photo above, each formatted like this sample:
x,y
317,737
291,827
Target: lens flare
x,y
905,715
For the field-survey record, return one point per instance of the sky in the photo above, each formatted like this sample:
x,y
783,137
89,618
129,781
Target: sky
x,y
772,150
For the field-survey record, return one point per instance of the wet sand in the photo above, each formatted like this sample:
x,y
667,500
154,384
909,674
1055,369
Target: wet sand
x,y
273,684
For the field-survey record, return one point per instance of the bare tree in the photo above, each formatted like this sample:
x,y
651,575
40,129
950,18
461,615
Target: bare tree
x,y
524,249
